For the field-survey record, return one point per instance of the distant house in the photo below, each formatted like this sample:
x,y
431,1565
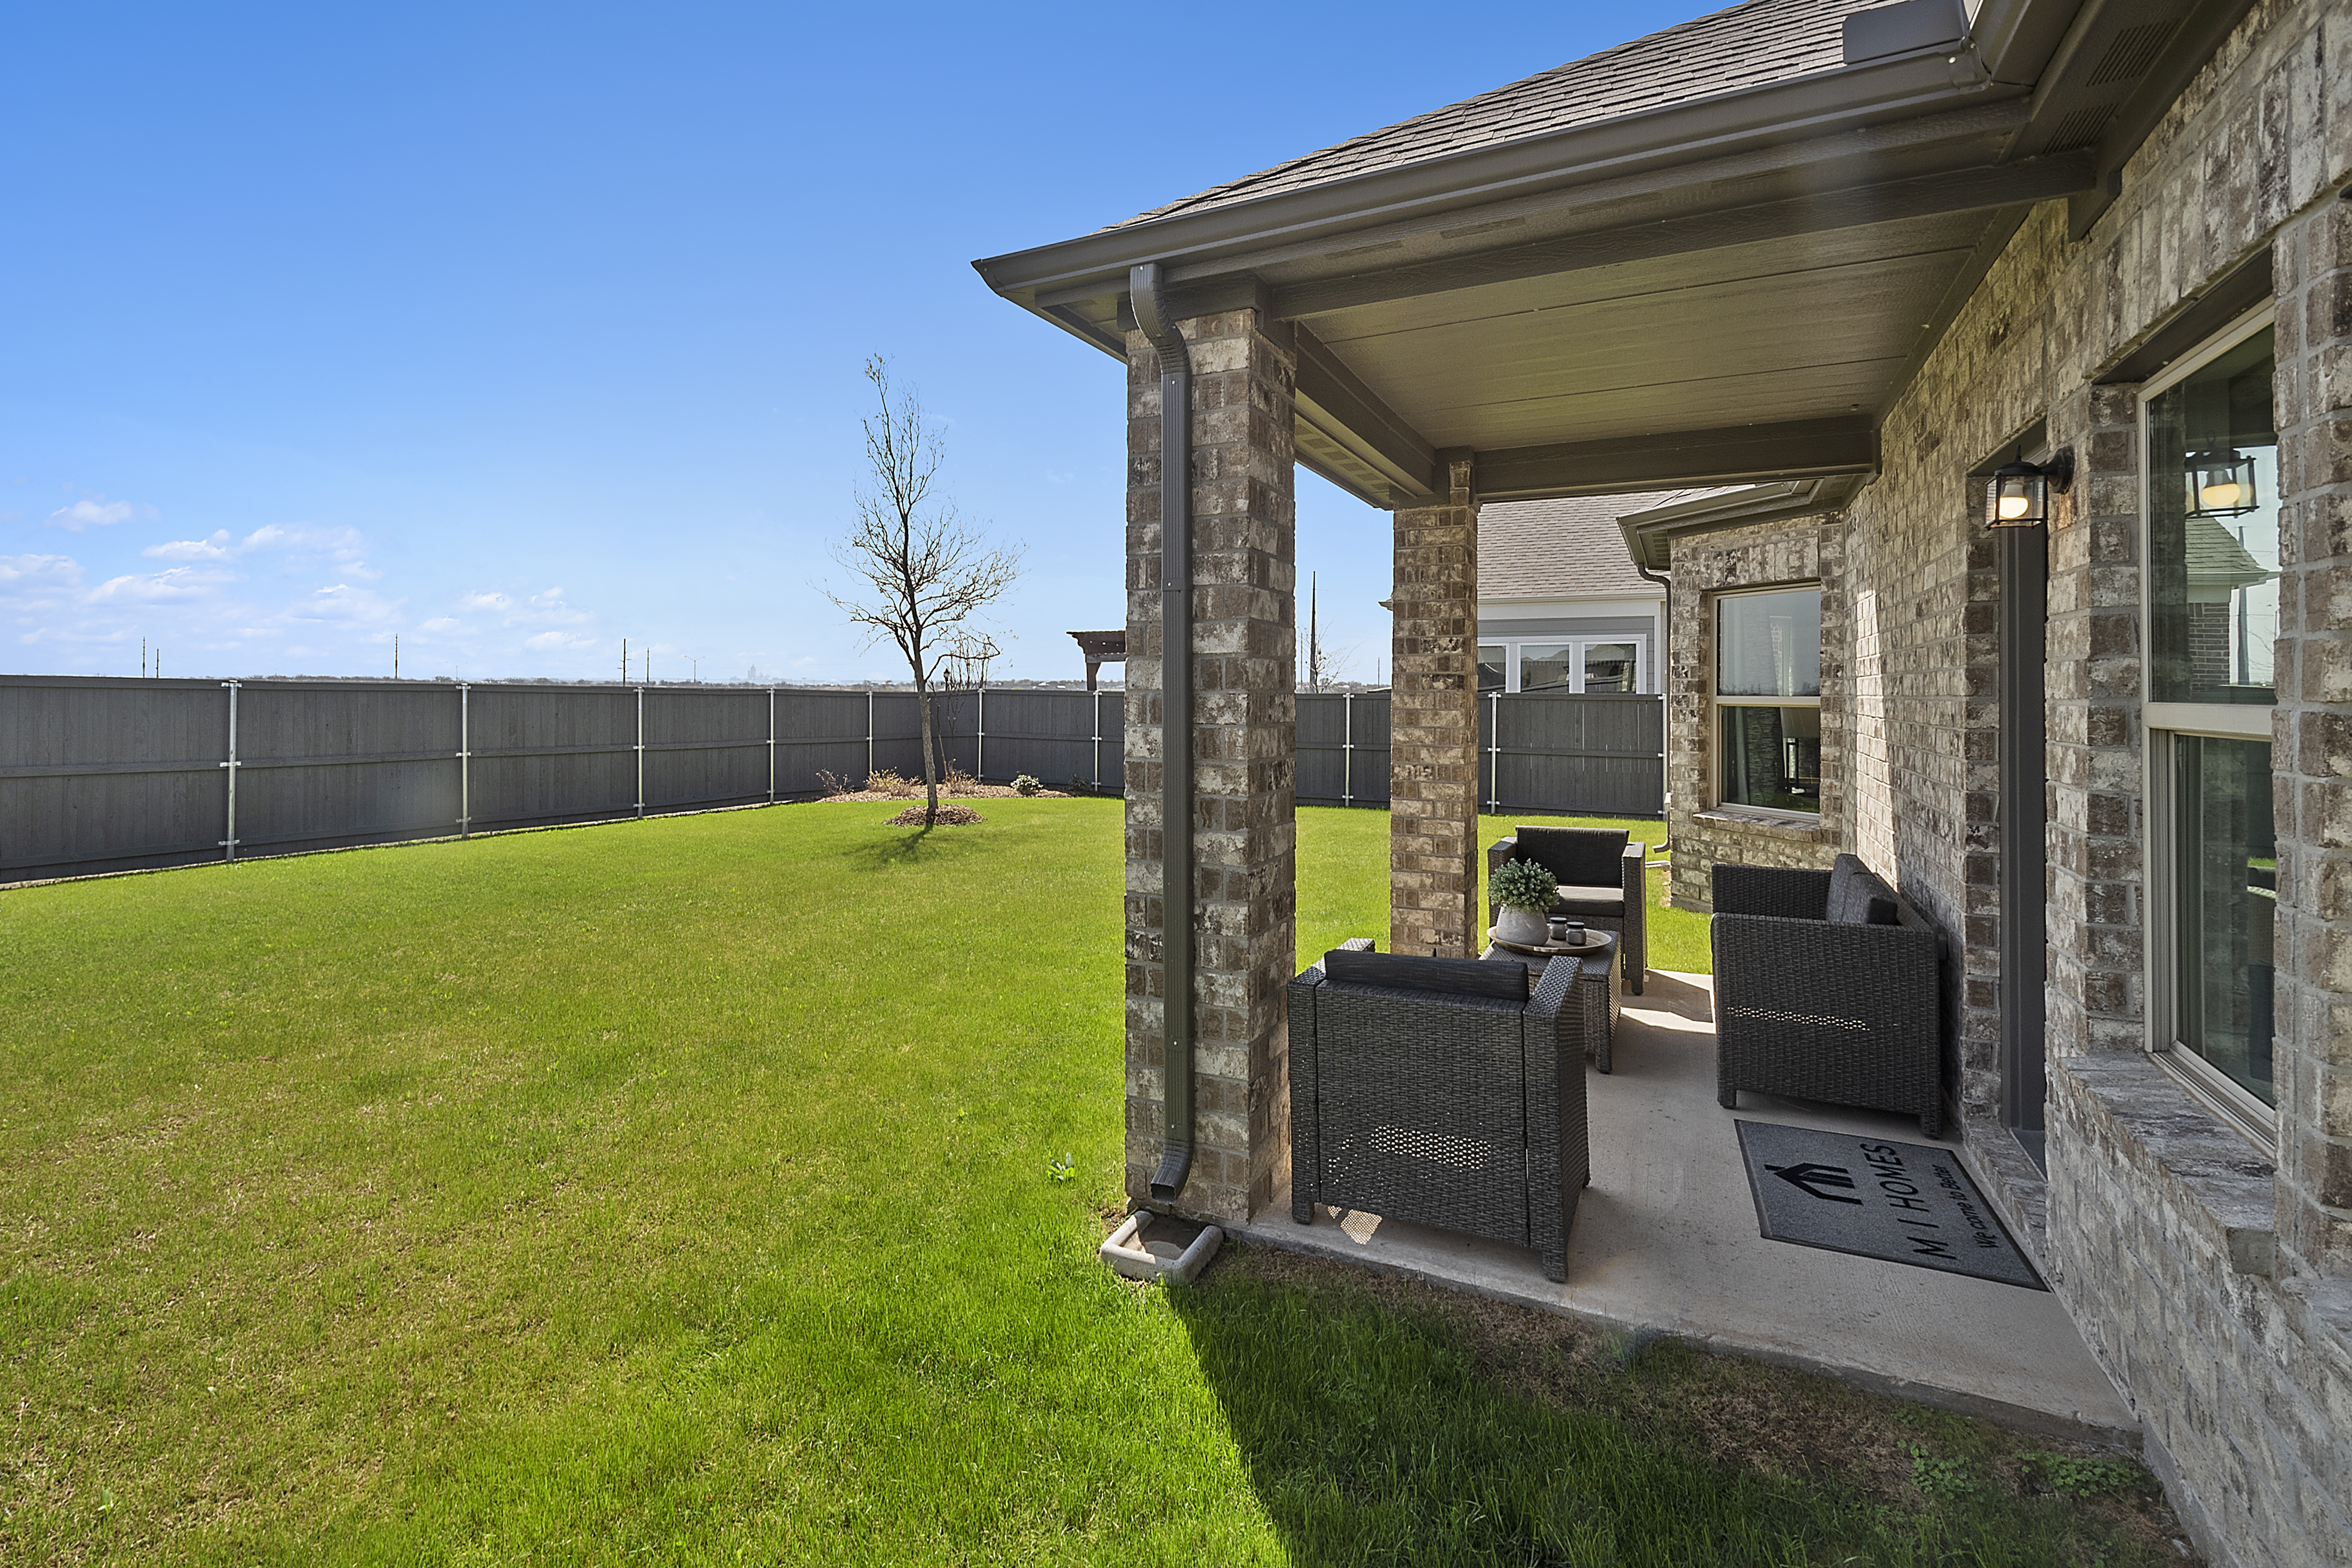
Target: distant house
x,y
1560,607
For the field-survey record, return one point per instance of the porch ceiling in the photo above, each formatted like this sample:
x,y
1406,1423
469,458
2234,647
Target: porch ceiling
x,y
1728,288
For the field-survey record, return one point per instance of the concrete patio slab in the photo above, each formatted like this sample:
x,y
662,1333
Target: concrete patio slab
x,y
1665,1239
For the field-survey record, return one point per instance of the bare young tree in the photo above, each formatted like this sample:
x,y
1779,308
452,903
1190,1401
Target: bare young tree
x,y
923,572
1324,666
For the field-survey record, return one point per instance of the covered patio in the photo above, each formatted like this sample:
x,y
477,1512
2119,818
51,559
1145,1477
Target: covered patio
x,y
1665,1242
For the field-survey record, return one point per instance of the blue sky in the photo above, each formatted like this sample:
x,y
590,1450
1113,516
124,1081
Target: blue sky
x,y
518,330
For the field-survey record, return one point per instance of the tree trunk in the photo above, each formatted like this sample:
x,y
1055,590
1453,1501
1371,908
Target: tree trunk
x,y
931,761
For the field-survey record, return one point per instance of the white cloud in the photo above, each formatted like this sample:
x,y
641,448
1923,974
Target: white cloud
x,y
95,511
440,624
217,548
552,642
179,582
39,571
483,601
341,602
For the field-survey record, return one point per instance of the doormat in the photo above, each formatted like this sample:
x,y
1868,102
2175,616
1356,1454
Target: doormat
x,y
1907,1202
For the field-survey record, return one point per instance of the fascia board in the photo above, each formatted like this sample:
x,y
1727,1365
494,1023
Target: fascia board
x,y
1811,106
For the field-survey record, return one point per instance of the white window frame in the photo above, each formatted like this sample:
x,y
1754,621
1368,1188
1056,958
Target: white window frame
x,y
2240,1110
1717,701
1580,642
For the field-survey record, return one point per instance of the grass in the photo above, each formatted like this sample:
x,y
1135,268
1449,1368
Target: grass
x,y
1333,907
725,1189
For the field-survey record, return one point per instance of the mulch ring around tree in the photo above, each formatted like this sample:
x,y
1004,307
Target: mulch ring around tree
x,y
949,817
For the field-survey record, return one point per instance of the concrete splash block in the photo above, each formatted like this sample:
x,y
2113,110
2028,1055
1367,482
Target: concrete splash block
x,y
1149,1246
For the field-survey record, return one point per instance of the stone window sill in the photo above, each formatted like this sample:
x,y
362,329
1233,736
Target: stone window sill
x,y
2232,1182
1745,821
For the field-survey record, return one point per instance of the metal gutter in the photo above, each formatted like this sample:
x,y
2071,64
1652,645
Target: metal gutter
x,y
1176,957
1650,535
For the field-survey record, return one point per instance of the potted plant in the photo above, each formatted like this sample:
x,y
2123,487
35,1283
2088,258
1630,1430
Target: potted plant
x,y
1523,893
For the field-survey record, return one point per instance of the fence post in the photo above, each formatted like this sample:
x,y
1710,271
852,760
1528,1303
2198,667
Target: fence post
x,y
1347,748
772,745
869,731
228,845
641,752
1097,749
980,738
465,760
1495,752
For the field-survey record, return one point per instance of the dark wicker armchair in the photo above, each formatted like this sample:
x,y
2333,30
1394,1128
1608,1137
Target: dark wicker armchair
x,y
1826,987
1437,1090
1600,883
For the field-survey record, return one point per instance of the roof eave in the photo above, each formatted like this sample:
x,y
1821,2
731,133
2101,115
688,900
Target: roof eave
x,y
1899,87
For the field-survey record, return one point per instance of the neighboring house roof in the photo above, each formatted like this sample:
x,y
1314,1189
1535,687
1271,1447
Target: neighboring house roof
x,y
2216,559
1750,45
1563,548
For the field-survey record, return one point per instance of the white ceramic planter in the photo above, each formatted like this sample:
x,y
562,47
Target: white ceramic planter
x,y
1529,927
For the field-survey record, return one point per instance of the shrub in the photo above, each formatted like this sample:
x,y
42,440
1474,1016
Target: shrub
x,y
1523,885
1026,785
882,781
1079,784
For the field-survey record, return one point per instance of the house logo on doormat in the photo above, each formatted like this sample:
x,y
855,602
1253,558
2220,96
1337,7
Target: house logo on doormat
x,y
1906,1203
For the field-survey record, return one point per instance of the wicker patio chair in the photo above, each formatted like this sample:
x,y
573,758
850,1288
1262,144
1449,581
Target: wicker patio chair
x,y
1600,883
1437,1090
1826,987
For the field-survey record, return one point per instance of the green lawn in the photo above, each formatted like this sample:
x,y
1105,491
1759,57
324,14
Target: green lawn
x,y
1334,906
684,1192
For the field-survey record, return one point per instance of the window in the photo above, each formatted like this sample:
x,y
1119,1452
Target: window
x,y
1608,667
1768,697
1565,666
1547,667
2210,495
1492,661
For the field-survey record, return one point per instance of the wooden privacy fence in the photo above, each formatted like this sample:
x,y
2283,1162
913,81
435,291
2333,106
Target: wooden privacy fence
x,y
1597,755
99,774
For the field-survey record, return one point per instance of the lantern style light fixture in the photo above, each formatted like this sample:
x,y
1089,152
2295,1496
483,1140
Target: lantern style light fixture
x,y
2018,494
2220,483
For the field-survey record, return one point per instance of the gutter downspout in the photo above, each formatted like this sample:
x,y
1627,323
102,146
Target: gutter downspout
x,y
1175,727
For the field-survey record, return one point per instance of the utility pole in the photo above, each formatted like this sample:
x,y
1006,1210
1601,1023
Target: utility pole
x,y
395,656
694,663
143,659
624,661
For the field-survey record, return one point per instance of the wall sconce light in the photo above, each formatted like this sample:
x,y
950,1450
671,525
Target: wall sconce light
x,y
2220,483
2018,494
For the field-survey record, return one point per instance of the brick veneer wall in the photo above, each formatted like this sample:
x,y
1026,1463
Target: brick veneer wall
x,y
1433,733
1701,832
2216,1290
1244,772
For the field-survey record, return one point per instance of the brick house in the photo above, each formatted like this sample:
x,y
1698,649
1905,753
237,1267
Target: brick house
x,y
1837,265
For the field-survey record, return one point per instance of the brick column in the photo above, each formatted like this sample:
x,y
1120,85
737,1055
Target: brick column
x,y
1244,770
1434,735
2311,744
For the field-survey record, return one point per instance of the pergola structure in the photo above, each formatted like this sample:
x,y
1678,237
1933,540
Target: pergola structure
x,y
1710,257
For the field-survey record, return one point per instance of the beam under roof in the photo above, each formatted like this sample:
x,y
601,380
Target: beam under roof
x,y
1741,455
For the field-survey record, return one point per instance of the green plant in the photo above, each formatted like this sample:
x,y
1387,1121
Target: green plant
x,y
1028,784
2072,1475
1063,1168
1943,1481
1523,885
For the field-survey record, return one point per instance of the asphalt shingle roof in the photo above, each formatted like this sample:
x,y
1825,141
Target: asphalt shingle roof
x,y
1750,45
1559,549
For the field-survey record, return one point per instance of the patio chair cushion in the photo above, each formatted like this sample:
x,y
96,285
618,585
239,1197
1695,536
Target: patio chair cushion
x,y
1859,895
1579,856
1406,971
1582,901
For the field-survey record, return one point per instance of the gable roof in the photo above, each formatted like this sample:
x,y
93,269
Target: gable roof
x,y
1563,548
1753,44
